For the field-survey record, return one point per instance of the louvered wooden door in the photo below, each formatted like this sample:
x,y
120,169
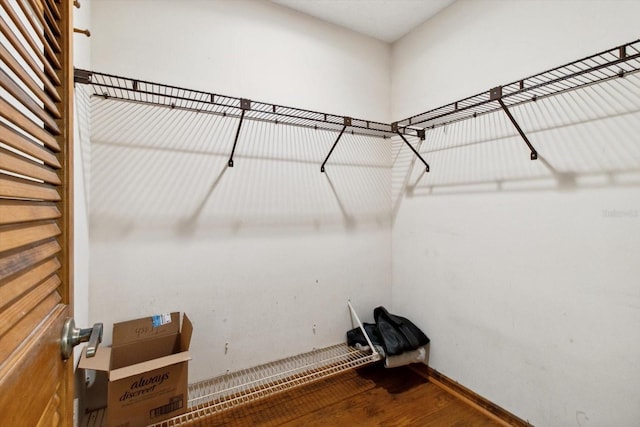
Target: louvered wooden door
x,y
35,211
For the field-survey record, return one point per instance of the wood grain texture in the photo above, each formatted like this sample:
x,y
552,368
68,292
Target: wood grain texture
x,y
66,175
33,86
16,211
39,356
15,287
15,236
65,156
48,76
370,396
54,9
34,51
36,384
49,51
18,261
14,313
27,146
49,19
12,114
51,29
15,163
16,338
51,415
17,188
27,101
473,399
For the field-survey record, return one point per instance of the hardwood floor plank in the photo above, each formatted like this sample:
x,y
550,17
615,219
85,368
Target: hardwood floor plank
x,y
293,404
457,414
370,396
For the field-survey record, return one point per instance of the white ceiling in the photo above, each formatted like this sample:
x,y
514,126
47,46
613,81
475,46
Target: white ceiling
x,y
386,20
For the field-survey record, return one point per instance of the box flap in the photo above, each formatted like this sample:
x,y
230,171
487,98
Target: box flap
x,y
145,328
140,351
99,362
185,334
149,365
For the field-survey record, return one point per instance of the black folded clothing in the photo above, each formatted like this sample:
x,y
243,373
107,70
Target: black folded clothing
x,y
394,334
355,335
398,334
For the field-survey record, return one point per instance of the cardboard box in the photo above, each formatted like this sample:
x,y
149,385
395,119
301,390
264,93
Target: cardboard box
x,y
147,367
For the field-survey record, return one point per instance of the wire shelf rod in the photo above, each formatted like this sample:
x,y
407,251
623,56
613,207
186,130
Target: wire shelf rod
x,y
251,384
125,88
613,63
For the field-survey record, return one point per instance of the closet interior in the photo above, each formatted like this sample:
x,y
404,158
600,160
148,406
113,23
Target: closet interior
x,y
221,393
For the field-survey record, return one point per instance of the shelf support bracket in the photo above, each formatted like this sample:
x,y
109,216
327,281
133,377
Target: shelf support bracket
x,y
496,94
421,134
347,122
245,104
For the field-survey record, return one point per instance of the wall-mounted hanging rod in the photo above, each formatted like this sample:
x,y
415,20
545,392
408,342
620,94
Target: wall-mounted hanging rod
x,y
140,91
610,64
81,31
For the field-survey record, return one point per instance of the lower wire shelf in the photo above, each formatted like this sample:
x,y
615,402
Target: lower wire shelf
x,y
213,396
228,391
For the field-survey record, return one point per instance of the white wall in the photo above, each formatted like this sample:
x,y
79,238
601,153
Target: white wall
x,y
253,49
264,255
524,273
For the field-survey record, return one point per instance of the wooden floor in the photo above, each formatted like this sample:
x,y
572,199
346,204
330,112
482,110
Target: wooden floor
x,y
370,396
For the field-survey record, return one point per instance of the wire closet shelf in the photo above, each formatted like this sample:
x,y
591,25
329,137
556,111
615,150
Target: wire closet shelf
x,y
613,63
229,391
111,86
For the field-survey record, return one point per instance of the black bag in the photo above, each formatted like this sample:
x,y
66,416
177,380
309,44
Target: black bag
x,y
398,334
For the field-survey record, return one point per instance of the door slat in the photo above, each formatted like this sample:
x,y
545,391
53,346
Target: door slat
x,y
15,312
15,236
54,9
21,143
50,79
15,262
17,188
23,283
50,28
13,211
17,118
48,49
34,87
21,95
37,50
15,163
11,340
51,20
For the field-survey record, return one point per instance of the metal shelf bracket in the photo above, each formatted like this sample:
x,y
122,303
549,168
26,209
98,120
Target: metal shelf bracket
x,y
245,104
347,122
82,76
420,134
495,94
